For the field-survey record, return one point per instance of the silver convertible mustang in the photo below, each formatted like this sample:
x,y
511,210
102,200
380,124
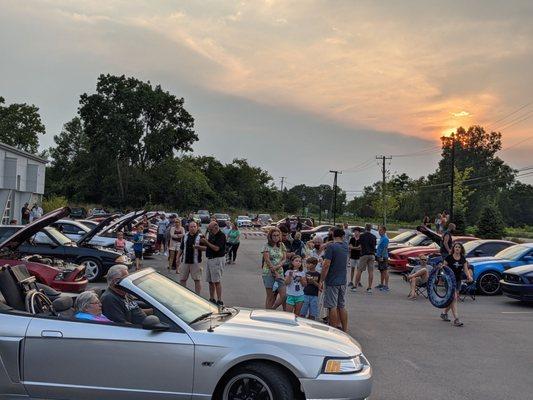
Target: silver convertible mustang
x,y
189,349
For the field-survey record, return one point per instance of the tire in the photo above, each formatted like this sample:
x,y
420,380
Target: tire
x,y
441,287
489,283
93,268
262,381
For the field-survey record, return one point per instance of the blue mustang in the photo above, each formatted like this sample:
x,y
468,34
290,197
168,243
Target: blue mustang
x,y
488,270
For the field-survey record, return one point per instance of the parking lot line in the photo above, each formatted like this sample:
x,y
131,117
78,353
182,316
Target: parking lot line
x,y
517,312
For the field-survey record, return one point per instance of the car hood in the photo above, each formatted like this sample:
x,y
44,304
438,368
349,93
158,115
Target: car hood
x,y
430,234
522,270
285,329
405,251
98,228
124,220
13,242
486,260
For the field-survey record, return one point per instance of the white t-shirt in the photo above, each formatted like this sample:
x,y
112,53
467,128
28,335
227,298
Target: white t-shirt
x,y
295,288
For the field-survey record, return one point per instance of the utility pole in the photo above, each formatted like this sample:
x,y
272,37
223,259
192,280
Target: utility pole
x,y
452,179
383,184
335,194
320,209
282,180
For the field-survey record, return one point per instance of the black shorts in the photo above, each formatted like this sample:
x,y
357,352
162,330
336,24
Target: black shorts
x,y
383,264
160,237
138,254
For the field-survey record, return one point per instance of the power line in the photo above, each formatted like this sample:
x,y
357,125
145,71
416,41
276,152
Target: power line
x,y
516,120
510,114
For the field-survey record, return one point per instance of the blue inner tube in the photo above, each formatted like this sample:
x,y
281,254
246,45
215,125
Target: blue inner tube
x,y
441,287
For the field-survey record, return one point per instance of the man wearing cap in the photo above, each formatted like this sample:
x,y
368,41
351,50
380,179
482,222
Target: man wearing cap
x,y
215,251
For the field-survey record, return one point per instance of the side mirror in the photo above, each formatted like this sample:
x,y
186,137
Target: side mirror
x,y
152,323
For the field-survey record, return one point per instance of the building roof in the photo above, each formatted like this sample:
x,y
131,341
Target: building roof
x,y
22,153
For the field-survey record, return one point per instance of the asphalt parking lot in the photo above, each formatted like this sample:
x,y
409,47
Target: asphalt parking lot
x,y
414,354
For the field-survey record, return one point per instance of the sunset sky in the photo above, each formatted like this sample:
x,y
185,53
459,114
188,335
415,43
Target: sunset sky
x,y
296,87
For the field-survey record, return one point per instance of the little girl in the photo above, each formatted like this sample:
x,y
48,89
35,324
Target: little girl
x,y
120,243
295,281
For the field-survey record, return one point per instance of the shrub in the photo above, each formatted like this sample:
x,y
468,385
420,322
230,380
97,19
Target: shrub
x,y
490,224
460,222
54,202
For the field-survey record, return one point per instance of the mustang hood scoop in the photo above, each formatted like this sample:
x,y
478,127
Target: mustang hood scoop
x,y
273,316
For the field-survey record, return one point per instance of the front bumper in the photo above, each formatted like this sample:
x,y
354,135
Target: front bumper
x,y
518,291
398,264
341,387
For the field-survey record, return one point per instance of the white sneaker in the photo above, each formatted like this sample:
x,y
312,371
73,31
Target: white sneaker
x,y
165,254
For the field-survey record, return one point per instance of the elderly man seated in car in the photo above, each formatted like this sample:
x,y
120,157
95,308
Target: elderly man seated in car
x,y
118,305
89,307
419,275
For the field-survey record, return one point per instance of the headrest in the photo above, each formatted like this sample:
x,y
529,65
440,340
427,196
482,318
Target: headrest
x,y
62,303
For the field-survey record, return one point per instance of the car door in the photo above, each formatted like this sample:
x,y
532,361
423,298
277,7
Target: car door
x,y
83,360
12,329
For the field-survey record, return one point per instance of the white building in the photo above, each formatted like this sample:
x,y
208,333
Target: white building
x,y
21,181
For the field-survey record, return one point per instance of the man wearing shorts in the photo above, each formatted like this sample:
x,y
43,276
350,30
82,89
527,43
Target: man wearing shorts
x,y
367,242
382,254
334,275
191,251
215,245
355,253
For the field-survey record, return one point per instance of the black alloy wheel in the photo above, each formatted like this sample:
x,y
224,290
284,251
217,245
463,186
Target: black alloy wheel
x,y
489,283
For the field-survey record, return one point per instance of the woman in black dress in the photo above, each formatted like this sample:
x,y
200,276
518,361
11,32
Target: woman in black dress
x,y
456,261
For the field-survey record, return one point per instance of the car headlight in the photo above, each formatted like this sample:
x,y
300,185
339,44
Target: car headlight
x,y
122,260
342,365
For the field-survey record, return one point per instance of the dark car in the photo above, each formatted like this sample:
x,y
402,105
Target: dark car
x,y
78,213
57,274
517,283
50,242
307,234
205,217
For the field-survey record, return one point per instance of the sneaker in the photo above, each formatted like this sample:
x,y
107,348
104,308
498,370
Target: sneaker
x,y
359,284
369,290
444,317
213,301
353,289
219,303
456,322
385,289
165,253
350,284
378,286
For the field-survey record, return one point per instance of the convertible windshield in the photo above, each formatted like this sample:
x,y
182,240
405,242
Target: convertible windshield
x,y
512,252
185,304
58,236
417,240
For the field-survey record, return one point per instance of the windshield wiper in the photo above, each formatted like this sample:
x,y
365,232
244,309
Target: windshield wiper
x,y
210,314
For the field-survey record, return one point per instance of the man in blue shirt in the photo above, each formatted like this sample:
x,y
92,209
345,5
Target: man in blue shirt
x,y
382,255
334,276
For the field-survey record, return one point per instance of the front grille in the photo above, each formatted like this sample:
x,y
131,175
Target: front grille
x,y
511,278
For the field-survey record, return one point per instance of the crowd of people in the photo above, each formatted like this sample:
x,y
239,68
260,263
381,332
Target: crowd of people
x,y
28,214
186,246
309,279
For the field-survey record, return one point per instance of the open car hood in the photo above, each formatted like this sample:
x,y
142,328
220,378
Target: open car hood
x,y
430,234
92,233
124,220
13,242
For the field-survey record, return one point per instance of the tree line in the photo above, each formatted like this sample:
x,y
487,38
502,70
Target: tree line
x,y
130,146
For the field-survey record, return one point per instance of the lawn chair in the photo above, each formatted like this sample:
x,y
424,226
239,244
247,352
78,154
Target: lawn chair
x,y
467,290
422,290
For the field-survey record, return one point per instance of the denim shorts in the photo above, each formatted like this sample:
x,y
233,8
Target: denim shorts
x,y
310,306
268,281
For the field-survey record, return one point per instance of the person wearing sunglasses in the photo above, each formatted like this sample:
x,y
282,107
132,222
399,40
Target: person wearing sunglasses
x,y
418,276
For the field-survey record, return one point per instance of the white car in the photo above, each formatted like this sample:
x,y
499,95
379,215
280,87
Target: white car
x,y
75,230
243,220
324,235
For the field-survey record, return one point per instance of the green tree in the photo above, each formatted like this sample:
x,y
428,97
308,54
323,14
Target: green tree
x,y
461,192
516,204
20,126
490,224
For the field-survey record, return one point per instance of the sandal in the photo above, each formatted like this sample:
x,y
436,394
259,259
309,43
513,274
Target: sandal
x,y
456,322
444,317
